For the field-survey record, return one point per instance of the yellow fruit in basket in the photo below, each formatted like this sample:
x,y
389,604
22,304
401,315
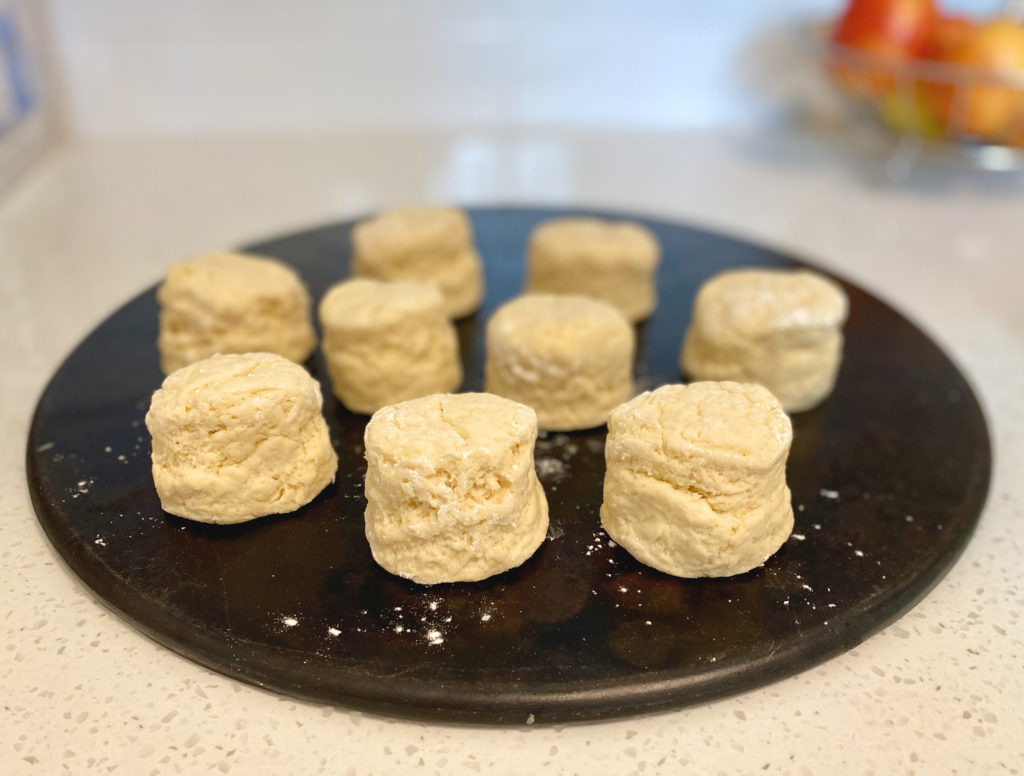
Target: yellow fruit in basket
x,y
987,98
908,113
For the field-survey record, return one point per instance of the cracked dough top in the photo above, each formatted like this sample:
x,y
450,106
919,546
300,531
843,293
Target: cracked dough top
x,y
401,232
231,281
599,240
566,324
754,302
362,303
729,425
245,393
451,427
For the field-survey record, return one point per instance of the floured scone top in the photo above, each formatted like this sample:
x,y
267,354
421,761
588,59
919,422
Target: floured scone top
x,y
613,261
779,328
387,342
422,245
695,483
237,437
568,357
451,491
232,303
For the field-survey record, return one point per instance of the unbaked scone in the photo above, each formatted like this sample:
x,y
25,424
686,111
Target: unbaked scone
x,y
614,261
232,303
568,357
779,328
422,245
451,492
695,484
387,342
237,437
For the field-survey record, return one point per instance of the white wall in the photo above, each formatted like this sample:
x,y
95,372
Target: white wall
x,y
185,66
255,65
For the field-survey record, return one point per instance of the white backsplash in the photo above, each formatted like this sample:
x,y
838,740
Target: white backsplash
x,y
267,65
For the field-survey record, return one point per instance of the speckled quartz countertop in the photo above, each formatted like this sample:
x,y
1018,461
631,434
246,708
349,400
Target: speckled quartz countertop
x,y
937,692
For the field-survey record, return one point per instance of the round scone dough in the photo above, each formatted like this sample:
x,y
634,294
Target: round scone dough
x,y
422,245
779,328
614,261
232,303
387,342
568,357
237,437
451,491
695,484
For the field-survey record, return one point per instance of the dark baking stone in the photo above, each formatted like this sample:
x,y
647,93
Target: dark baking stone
x,y
888,476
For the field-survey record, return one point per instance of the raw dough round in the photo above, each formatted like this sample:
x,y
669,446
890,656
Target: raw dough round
x,y
424,245
232,303
779,328
387,342
451,492
237,437
568,357
613,261
696,478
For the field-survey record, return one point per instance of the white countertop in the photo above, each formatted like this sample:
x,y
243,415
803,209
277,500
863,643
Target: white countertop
x,y
939,691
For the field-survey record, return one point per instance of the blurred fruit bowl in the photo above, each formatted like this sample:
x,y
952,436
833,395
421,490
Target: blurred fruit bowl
x,y
938,100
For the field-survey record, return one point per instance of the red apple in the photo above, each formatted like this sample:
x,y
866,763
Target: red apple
x,y
888,32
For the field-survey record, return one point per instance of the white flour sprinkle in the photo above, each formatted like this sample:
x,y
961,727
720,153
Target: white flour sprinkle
x,y
100,542
555,530
289,622
551,468
798,537
44,447
858,553
433,606
434,638
485,617
825,493
333,632
82,488
909,518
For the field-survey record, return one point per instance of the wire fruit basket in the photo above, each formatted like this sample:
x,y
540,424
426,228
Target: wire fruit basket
x,y
951,112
